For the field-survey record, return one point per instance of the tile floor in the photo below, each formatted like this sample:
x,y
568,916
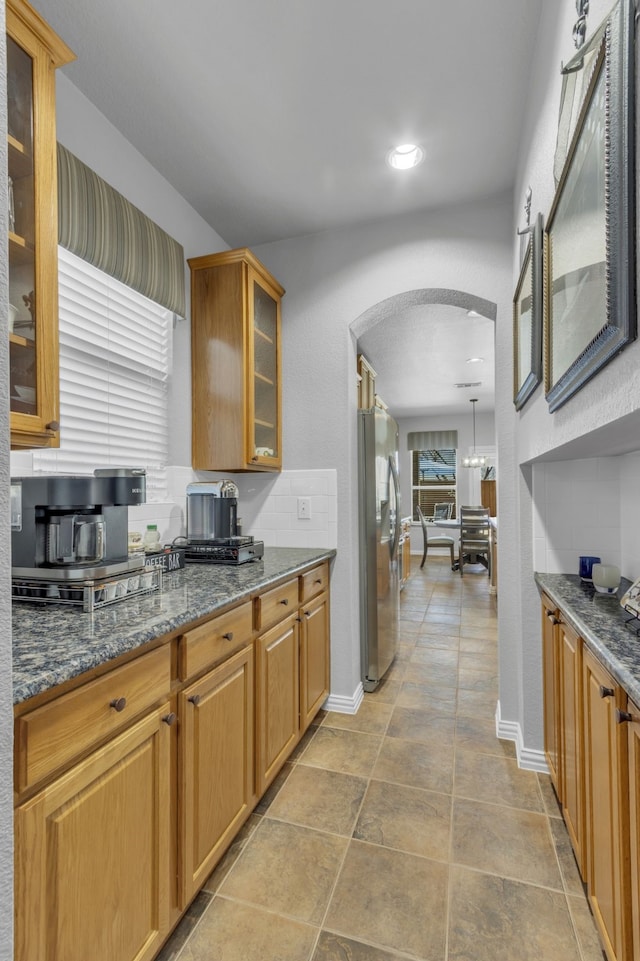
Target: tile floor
x,y
407,831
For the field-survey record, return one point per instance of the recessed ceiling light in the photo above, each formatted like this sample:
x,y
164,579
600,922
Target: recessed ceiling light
x,y
475,360
405,156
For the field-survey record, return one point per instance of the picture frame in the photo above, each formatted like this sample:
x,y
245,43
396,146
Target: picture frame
x,y
527,319
588,251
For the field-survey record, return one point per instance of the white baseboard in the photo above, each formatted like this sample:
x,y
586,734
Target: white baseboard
x,y
345,705
528,758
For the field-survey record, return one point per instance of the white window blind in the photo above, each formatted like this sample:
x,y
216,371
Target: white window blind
x,y
115,365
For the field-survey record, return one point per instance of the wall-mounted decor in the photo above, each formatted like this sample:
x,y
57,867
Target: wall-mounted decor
x,y
527,319
589,261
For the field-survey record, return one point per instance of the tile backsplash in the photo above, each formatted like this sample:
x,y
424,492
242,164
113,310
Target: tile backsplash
x,y
578,508
268,504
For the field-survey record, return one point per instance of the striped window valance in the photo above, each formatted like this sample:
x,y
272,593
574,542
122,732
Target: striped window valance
x,y
432,440
98,224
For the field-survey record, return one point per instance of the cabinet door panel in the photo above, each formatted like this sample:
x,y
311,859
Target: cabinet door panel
x,y
314,659
278,705
550,667
634,823
92,855
217,765
604,813
571,772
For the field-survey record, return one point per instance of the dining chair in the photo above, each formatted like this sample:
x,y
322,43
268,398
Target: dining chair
x,y
440,540
475,538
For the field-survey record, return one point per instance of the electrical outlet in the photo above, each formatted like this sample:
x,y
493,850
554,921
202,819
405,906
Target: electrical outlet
x,y
304,508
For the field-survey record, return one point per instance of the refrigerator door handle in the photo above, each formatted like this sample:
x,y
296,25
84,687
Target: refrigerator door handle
x,y
396,525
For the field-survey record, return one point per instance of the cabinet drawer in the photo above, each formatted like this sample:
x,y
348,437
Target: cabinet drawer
x,y
215,640
55,733
314,582
273,605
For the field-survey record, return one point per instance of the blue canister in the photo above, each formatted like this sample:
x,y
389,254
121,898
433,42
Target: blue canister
x,y
586,567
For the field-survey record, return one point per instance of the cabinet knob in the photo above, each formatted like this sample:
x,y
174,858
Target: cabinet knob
x,y
284,601
318,580
195,699
118,703
606,691
53,425
552,617
228,636
623,716
169,718
307,613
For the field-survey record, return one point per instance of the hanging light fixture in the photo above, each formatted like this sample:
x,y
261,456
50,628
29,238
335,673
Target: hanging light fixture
x,y
475,460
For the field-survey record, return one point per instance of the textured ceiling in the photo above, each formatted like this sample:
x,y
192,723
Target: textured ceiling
x,y
273,118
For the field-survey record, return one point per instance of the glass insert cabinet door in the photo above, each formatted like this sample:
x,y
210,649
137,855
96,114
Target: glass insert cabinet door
x,y
33,53
264,385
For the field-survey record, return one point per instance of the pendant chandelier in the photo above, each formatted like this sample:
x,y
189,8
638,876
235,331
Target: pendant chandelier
x,y
475,460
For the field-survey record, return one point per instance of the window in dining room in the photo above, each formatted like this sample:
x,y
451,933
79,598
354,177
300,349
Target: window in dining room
x,y
433,480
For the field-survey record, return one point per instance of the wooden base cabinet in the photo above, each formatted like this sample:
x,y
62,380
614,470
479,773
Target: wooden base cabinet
x,y
606,807
633,754
278,699
571,767
314,659
216,763
551,687
96,838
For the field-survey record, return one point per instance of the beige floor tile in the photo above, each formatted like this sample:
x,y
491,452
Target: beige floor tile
x,y
493,919
324,800
372,717
433,627
477,645
426,766
335,947
271,792
287,869
566,858
445,676
427,696
347,751
232,854
479,661
241,932
485,682
479,735
387,690
585,930
379,895
416,725
435,657
448,642
549,799
177,940
498,780
504,841
406,819
476,703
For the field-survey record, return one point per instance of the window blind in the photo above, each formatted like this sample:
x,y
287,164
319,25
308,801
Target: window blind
x,y
115,365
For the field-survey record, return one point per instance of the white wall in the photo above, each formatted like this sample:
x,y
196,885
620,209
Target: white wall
x,y
331,280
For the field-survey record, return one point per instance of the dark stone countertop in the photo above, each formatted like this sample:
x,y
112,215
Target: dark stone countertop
x,y
52,644
606,627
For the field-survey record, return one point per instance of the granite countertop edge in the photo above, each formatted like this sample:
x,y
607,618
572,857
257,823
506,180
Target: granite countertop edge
x,y
607,629
52,644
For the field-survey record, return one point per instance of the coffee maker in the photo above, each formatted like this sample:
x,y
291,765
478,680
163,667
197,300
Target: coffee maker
x,y
71,528
213,526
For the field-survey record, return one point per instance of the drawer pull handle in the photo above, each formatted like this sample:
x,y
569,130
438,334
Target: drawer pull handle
x,y
552,617
318,580
606,691
118,703
195,699
169,718
307,613
228,636
623,716
284,601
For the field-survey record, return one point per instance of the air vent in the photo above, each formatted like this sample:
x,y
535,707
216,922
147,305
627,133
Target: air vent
x,y
475,383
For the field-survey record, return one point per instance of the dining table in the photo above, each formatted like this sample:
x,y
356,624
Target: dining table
x,y
453,523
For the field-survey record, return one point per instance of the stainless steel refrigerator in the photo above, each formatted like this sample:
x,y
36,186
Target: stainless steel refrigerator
x,y
379,515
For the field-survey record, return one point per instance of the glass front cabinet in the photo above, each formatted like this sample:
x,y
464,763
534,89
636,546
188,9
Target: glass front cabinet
x,y
236,366
34,52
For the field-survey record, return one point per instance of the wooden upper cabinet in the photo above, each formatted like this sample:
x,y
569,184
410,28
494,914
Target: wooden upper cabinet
x,y
235,363
34,52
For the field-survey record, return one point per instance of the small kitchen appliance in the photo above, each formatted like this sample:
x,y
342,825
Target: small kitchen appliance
x,y
213,527
69,532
